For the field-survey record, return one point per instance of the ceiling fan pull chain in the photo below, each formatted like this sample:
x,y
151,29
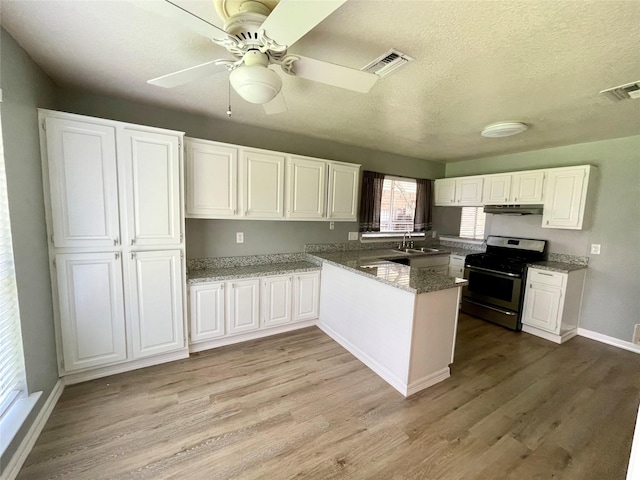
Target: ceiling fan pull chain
x,y
229,110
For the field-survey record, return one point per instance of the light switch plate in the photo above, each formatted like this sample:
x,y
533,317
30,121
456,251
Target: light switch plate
x,y
353,235
595,249
239,237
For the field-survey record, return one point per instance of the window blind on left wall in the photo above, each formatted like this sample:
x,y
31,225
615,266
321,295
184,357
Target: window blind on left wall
x,y
12,372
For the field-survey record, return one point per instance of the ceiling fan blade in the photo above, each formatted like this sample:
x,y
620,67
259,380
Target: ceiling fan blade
x,y
178,14
292,19
335,75
188,75
277,105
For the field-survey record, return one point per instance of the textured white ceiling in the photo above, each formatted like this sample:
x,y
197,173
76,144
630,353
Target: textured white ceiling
x,y
477,62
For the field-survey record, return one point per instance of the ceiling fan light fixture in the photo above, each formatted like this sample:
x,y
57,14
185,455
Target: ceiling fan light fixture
x,y
503,129
255,83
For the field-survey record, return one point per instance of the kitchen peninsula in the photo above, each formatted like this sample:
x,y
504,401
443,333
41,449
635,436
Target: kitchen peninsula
x,y
398,320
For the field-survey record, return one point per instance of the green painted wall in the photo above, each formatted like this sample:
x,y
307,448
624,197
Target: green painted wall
x,y
24,88
611,302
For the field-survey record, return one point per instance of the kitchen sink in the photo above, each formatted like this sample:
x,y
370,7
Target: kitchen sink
x,y
422,250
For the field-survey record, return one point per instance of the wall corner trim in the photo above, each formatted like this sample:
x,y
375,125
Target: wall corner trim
x,y
616,342
15,464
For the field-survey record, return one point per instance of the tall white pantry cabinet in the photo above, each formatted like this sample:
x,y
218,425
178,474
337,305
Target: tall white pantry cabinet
x,y
115,220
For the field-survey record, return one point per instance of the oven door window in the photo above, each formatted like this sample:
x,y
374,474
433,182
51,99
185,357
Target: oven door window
x,y
491,286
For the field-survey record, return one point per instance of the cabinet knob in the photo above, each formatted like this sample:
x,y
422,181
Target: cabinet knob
x,y
133,241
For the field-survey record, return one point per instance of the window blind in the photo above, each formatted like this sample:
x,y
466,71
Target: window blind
x,y
472,222
12,374
398,205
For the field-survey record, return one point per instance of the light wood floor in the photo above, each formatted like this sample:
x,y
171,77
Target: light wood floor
x,y
299,406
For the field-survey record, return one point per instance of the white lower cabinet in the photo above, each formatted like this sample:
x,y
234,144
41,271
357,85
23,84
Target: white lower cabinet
x,y
306,305
220,313
276,300
92,320
244,304
552,301
155,288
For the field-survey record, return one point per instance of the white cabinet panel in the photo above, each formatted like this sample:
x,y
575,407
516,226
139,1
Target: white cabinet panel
x,y
565,198
276,300
263,192
343,191
306,296
306,185
83,183
212,180
243,306
457,192
527,187
497,189
151,162
155,290
207,311
91,309
542,305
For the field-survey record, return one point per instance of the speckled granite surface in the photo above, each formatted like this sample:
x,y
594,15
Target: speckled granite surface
x,y
216,274
561,267
564,258
371,264
248,260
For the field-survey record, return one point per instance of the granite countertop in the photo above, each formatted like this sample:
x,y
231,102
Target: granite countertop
x,y
215,274
562,267
372,264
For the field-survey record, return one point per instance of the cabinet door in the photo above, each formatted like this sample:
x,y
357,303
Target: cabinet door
x,y
445,191
243,306
343,191
564,199
496,190
276,301
307,188
206,311
306,296
527,187
469,191
151,171
155,291
91,309
542,307
263,185
83,183
212,180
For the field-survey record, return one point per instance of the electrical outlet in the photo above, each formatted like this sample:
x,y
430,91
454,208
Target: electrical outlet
x,y
239,237
595,249
353,235
332,225
636,334
434,234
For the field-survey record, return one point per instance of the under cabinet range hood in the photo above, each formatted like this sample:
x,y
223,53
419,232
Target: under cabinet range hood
x,y
513,209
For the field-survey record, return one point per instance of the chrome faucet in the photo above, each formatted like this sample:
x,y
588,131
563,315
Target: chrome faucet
x,y
404,240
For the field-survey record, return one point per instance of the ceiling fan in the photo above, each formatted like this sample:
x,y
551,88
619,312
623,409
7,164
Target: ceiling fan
x,y
258,33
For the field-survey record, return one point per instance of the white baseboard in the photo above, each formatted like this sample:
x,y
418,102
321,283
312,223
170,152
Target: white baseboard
x,y
616,342
428,380
15,464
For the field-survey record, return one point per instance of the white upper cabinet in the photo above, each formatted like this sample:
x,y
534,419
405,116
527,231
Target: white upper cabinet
x,y
263,184
344,180
306,188
513,188
211,179
458,192
155,291
83,183
151,162
565,197
92,316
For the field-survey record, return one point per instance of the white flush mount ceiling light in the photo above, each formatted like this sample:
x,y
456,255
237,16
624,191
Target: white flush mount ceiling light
x,y
253,80
503,129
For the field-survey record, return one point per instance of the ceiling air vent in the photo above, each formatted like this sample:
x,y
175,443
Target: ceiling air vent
x,y
388,63
623,92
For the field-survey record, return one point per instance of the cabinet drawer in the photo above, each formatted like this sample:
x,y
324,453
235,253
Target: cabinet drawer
x,y
546,278
457,261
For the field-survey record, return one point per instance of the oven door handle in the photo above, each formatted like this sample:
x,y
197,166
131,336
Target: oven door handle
x,y
514,275
506,312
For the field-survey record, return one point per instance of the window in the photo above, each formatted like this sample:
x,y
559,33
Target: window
x,y
398,204
472,222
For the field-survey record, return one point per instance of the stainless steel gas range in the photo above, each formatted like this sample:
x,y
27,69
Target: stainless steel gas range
x,y
496,279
